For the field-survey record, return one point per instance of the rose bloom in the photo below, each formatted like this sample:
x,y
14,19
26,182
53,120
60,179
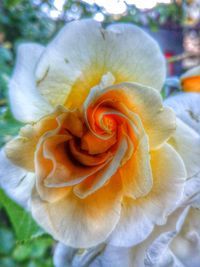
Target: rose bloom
x,y
100,158
190,80
174,244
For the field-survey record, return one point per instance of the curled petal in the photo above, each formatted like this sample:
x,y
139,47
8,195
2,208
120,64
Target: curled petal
x,y
96,181
168,169
21,149
159,122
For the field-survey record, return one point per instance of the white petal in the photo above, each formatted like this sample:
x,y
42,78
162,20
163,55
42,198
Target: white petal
x,y
83,52
157,254
142,57
99,256
16,182
187,108
186,246
26,102
80,222
134,225
63,255
71,257
114,257
186,142
192,72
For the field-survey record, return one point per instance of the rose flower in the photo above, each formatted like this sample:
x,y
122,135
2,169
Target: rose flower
x,y
176,243
94,155
190,80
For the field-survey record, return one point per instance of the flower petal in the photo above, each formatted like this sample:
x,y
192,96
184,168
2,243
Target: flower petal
x,y
158,253
114,257
16,182
81,222
21,149
97,180
159,122
192,72
133,227
82,53
136,173
187,143
26,102
187,108
185,247
72,257
190,80
168,169
143,62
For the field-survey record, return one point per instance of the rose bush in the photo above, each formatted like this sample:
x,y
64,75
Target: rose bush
x,y
100,158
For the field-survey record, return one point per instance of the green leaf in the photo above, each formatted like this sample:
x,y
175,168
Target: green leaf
x,y
9,127
36,249
24,226
6,241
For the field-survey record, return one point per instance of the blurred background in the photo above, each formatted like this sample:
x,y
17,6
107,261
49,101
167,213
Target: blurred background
x,y
175,24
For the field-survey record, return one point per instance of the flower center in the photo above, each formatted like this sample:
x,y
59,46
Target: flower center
x,y
109,124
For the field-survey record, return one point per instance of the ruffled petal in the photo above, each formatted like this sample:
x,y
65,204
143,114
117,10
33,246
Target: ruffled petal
x,y
159,122
96,181
168,184
96,216
136,172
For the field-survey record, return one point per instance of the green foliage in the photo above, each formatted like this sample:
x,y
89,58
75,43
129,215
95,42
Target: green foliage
x,y
24,226
9,127
24,244
29,254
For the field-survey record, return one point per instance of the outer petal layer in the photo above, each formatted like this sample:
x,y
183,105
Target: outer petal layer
x,y
96,216
83,52
187,108
26,102
16,182
187,143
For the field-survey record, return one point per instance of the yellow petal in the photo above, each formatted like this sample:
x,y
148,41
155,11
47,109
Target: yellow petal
x,y
159,122
96,216
190,80
82,53
139,216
